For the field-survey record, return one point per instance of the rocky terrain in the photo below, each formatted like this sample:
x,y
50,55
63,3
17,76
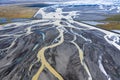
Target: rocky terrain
x,y
56,47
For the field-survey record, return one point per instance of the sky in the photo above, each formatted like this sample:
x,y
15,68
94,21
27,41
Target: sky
x,y
80,1
63,0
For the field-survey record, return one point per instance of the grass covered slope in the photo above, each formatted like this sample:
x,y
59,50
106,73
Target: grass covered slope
x,y
10,12
113,23
110,25
114,18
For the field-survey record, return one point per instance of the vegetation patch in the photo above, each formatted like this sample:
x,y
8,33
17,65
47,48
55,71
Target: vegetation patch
x,y
113,18
12,12
110,25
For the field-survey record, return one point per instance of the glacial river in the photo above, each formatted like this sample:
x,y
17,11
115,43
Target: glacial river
x,y
55,46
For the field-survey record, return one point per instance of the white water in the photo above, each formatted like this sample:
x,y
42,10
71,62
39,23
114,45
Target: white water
x,y
114,4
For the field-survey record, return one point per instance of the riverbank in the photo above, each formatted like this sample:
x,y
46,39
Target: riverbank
x,y
112,23
15,13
